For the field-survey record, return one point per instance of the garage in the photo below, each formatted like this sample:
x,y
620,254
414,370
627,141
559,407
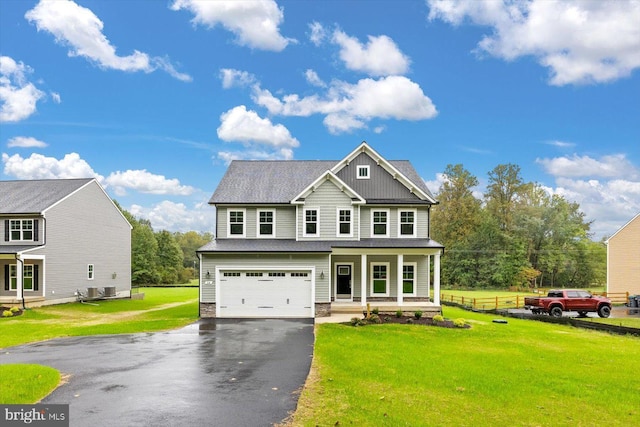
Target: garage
x,y
265,293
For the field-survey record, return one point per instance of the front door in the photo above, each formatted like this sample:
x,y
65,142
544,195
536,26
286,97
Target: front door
x,y
343,282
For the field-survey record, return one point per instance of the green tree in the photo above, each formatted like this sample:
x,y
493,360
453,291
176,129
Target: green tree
x,y
505,187
189,243
144,249
169,257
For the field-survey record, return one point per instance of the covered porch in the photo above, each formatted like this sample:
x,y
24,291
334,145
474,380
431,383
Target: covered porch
x,y
22,277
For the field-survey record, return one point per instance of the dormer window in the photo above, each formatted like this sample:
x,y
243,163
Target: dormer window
x,y
363,172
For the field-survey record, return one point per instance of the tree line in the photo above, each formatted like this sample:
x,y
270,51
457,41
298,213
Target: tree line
x,y
162,257
515,235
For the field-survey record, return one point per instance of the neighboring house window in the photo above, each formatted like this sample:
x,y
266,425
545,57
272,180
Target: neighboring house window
x,y
90,271
344,222
311,222
363,172
21,229
409,278
380,223
407,226
27,277
236,223
379,279
266,221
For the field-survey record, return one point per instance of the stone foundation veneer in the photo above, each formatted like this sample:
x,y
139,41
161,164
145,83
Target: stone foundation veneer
x,y
207,310
323,309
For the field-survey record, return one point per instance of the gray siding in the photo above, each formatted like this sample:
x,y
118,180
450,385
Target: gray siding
x,y
211,261
380,185
285,222
327,198
422,220
41,225
86,228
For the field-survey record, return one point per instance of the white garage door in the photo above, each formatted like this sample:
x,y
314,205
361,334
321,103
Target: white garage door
x,y
264,293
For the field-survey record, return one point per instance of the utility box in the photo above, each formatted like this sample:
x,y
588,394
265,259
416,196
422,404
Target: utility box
x,y
92,292
109,291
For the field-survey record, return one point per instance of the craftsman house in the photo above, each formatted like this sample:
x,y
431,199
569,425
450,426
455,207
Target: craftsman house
x,y
305,238
60,236
623,259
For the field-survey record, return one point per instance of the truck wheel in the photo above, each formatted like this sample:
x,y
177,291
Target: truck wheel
x,y
604,311
555,311
582,314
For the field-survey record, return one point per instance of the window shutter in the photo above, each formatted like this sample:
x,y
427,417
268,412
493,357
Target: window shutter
x,y
35,277
35,230
6,230
6,277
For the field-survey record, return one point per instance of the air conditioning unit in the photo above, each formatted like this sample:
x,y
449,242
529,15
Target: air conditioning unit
x,y
110,291
92,292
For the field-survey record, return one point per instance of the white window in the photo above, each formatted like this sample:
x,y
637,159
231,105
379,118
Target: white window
x,y
21,229
266,223
380,279
236,219
409,278
345,218
90,271
363,172
380,223
27,277
311,227
407,223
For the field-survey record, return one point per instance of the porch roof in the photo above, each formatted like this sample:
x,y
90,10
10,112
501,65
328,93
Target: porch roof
x,y
16,249
318,246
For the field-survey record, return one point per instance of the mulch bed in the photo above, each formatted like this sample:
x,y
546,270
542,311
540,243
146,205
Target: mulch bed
x,y
411,320
3,309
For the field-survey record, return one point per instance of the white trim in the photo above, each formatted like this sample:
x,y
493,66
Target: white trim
x,y
622,228
335,282
244,268
329,176
388,223
338,234
91,271
304,221
244,223
21,239
388,283
415,279
415,223
367,175
273,230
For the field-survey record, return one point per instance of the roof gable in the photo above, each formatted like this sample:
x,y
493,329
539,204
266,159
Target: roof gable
x,y
36,196
328,176
635,218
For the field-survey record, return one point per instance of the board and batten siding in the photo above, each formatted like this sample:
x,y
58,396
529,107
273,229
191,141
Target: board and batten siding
x,y
327,198
211,261
623,259
86,228
285,221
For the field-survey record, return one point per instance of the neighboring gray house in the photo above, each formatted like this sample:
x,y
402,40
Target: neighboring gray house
x,y
58,236
305,238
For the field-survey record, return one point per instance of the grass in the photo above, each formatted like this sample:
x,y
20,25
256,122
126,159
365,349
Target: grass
x,y
521,373
22,383
161,309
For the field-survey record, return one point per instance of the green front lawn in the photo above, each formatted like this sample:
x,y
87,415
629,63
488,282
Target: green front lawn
x,y
161,309
519,373
22,383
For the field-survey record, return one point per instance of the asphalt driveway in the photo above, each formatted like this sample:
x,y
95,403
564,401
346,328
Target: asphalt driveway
x,y
213,373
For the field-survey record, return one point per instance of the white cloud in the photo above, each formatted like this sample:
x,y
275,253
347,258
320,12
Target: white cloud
x,y
313,78
281,154
610,166
236,78
349,106
318,33
25,142
561,144
579,41
172,216
166,65
38,166
379,57
255,23
56,97
18,97
81,30
145,182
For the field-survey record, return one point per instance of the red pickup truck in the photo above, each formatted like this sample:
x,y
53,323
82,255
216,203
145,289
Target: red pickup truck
x,y
558,301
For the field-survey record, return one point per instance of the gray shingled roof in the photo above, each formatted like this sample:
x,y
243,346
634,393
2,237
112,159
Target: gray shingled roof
x,y
35,196
285,245
14,249
279,181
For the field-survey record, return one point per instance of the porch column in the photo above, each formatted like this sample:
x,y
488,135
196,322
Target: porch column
x,y
428,274
19,283
400,263
436,279
363,279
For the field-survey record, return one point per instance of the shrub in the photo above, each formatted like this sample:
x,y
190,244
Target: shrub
x,y
14,309
374,318
375,311
438,318
460,322
355,321
418,314
409,320
387,318
399,313
7,313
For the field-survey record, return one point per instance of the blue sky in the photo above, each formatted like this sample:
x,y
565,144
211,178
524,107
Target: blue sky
x,y
154,98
